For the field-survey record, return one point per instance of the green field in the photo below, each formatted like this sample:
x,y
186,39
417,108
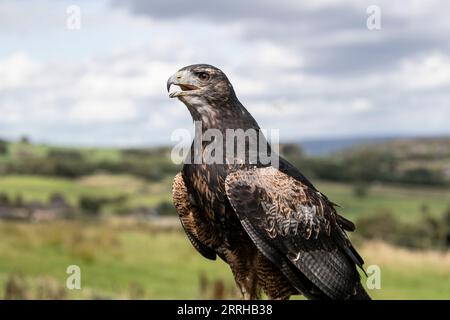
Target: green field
x,y
405,203
19,150
126,260
113,258
137,192
122,258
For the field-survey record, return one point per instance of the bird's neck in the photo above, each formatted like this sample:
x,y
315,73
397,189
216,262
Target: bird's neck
x,y
220,115
226,133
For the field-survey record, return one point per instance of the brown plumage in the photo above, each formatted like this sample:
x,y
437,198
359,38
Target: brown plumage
x,y
276,231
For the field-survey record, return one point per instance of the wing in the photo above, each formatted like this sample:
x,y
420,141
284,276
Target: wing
x,y
292,171
189,217
297,229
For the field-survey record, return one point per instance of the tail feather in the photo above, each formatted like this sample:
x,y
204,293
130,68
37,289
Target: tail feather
x,y
361,293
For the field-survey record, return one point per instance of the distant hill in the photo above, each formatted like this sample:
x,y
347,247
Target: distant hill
x,y
324,147
414,148
421,161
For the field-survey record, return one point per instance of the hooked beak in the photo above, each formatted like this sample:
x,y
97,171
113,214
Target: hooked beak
x,y
181,79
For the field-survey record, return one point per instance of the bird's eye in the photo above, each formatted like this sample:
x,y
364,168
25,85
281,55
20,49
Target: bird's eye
x,y
203,76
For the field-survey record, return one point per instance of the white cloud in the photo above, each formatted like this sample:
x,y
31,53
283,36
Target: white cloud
x,y
16,70
290,75
93,111
10,113
360,105
270,55
431,71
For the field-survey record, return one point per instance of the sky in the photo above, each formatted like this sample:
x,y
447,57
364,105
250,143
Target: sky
x,y
312,69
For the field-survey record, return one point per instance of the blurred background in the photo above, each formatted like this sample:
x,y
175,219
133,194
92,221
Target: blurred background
x,y
360,95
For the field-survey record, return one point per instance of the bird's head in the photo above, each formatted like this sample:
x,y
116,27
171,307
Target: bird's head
x,y
209,97
201,81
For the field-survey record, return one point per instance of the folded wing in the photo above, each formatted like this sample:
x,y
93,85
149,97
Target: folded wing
x,y
297,228
195,229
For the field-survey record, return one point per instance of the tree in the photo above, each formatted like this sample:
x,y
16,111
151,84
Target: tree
x,y
446,224
166,209
18,201
423,176
361,189
4,199
91,205
24,139
3,147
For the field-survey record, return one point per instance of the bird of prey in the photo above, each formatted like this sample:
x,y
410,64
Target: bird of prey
x,y
275,230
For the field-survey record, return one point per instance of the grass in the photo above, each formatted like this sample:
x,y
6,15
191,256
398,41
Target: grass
x,y
111,258
409,274
37,188
406,203
121,259
115,258
20,150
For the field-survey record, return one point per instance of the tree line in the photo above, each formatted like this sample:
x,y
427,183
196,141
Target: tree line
x,y
363,167
358,167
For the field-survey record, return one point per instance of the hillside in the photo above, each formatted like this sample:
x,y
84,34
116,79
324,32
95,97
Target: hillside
x,y
430,153
421,161
109,211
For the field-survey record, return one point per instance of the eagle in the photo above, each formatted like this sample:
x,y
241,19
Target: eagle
x,y
276,231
